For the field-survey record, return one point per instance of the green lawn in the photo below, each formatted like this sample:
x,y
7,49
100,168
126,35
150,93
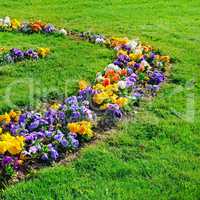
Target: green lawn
x,y
153,156
55,76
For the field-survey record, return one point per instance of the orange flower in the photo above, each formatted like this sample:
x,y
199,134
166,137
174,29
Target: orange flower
x,y
165,59
131,63
37,26
116,77
73,127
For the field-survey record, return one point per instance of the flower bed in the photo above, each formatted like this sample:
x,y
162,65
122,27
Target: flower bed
x,y
17,55
45,136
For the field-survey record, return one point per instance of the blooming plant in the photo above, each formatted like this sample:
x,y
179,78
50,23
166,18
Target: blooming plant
x,y
45,136
16,55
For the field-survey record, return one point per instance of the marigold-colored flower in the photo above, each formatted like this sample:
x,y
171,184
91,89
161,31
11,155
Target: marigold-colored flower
x,y
81,128
37,26
83,84
12,144
165,59
122,101
15,24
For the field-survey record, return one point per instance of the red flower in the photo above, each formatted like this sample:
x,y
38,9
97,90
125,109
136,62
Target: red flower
x,y
124,72
106,82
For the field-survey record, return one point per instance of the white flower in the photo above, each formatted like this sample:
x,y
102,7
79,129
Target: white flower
x,y
133,44
122,84
117,48
63,31
6,21
145,63
138,51
112,66
99,77
99,40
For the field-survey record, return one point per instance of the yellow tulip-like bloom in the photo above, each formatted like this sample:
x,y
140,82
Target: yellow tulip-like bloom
x,y
14,145
15,24
122,101
83,84
43,52
81,128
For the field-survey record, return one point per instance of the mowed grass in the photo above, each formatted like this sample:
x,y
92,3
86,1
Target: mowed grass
x,y
55,76
156,154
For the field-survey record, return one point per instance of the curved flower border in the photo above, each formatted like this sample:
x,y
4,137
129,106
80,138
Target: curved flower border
x,y
45,136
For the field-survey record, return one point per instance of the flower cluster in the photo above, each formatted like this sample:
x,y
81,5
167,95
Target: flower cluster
x,y
8,24
46,135
16,55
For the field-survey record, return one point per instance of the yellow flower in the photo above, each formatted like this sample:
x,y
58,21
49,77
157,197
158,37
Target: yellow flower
x,y
104,106
83,85
134,57
81,128
15,24
14,148
14,115
5,118
12,144
165,59
6,137
43,52
114,98
3,147
118,41
122,101
73,127
121,52
98,86
109,92
1,130
99,98
21,140
113,87
55,106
